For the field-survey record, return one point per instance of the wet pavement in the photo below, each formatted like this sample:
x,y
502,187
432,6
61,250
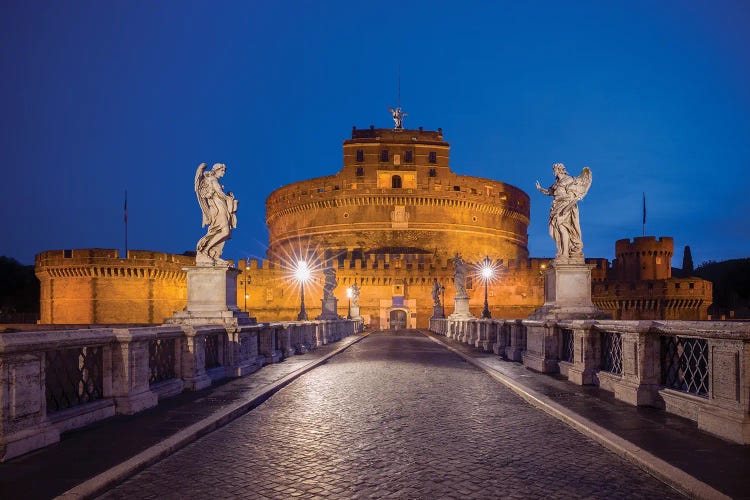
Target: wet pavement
x,y
395,416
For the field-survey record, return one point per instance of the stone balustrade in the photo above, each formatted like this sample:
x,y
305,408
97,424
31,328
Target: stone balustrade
x,y
696,369
56,381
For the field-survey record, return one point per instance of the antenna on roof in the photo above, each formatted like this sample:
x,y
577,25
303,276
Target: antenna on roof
x,y
397,114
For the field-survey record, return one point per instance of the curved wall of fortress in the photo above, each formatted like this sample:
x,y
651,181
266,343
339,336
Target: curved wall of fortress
x,y
396,191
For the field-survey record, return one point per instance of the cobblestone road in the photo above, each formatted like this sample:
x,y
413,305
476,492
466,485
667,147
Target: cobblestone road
x,y
394,416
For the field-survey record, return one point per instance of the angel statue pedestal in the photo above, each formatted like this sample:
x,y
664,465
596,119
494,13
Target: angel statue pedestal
x,y
567,293
329,308
212,298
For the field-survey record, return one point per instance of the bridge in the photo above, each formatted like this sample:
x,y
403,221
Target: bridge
x,y
323,409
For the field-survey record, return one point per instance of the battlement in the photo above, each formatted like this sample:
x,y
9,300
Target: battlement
x,y
110,257
395,135
644,244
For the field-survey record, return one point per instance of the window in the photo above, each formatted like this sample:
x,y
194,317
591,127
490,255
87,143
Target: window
x,y
384,155
691,286
457,188
360,155
677,286
408,156
433,172
67,254
396,181
433,157
360,171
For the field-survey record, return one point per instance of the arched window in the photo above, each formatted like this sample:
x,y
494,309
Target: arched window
x,y
396,181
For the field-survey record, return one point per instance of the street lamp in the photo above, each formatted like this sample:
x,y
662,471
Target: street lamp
x,y
302,274
442,293
487,271
349,306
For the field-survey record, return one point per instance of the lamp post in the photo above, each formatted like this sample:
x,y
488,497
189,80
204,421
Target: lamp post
x,y
302,274
442,293
349,306
487,271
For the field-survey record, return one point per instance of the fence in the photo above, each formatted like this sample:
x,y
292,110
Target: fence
x,y
696,369
55,381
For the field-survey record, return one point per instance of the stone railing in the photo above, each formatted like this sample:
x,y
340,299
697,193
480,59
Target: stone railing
x,y
55,381
696,369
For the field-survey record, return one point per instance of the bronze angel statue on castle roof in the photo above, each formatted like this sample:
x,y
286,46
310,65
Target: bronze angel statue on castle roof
x,y
219,214
564,225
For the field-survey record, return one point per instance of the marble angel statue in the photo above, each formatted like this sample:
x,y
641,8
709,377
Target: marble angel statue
x,y
219,214
564,226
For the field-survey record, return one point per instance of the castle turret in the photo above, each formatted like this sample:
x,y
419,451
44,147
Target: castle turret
x,y
644,258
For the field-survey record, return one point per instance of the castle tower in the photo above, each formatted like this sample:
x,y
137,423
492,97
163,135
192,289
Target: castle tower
x,y
396,194
644,258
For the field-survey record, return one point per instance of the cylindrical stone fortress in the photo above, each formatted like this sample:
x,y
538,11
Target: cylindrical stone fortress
x,y
397,194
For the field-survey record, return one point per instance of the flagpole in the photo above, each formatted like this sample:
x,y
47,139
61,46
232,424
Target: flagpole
x,y
125,219
643,227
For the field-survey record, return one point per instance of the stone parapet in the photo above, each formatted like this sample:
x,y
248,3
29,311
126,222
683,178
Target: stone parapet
x,y
696,369
56,381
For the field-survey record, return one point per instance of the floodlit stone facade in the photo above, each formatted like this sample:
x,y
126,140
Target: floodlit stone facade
x,y
96,286
397,195
390,221
640,285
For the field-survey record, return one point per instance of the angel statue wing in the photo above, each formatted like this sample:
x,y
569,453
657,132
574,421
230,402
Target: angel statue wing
x,y
581,184
201,200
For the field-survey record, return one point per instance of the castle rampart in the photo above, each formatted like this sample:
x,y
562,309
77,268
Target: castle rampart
x,y
96,286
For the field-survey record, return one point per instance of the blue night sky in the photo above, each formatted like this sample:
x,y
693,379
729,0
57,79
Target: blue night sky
x,y
99,97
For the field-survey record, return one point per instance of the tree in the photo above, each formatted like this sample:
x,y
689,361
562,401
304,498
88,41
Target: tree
x,y
687,262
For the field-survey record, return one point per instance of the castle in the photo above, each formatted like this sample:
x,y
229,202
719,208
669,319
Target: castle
x,y
390,221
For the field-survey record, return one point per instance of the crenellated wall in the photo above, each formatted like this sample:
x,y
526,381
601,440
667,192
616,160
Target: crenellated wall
x,y
643,258
96,286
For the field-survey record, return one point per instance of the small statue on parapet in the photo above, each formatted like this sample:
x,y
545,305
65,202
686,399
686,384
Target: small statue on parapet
x,y
355,295
330,282
459,277
564,224
219,214
435,293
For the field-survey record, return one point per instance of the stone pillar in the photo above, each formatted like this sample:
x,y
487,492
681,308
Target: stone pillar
x,y
130,371
194,360
517,345
542,346
354,312
585,353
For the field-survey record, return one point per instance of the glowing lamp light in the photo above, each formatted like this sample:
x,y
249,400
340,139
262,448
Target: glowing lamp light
x,y
487,271
302,271
349,292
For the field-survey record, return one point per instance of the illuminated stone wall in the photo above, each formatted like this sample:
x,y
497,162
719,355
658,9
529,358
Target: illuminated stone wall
x,y
95,286
396,191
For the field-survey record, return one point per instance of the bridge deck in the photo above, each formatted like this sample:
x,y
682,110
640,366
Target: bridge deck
x,y
394,415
